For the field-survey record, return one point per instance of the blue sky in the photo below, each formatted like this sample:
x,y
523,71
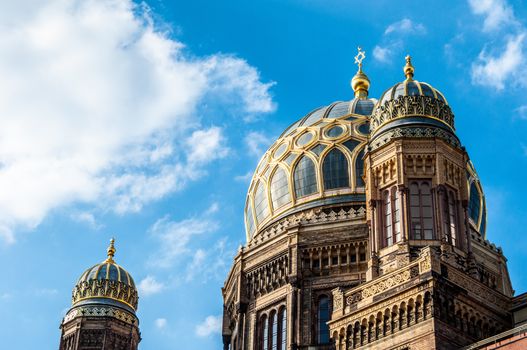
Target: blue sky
x,y
144,121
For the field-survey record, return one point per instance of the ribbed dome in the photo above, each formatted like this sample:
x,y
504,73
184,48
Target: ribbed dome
x,y
106,283
411,88
317,161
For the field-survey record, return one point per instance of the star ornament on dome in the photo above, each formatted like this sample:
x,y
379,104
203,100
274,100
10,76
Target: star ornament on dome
x,y
360,57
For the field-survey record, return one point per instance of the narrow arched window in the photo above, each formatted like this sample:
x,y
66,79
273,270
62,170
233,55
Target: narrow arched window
x,y
274,331
335,170
280,195
421,218
249,218
323,318
474,205
359,169
450,217
305,177
282,316
392,216
261,206
264,333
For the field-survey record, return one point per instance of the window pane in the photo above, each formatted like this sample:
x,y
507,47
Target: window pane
x,y
335,170
359,169
323,317
265,334
474,203
280,189
305,177
283,345
388,218
260,203
274,332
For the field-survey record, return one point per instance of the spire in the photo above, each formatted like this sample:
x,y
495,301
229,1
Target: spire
x,y
408,68
111,251
360,82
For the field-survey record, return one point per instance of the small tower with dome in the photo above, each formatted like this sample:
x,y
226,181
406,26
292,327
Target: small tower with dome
x,y
103,311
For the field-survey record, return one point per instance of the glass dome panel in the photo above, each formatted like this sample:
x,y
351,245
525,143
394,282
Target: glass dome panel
x,y
334,131
427,90
364,128
305,177
261,207
318,149
304,139
290,158
314,117
101,275
412,89
335,170
351,144
364,107
250,220
280,150
280,195
124,275
340,109
114,274
399,91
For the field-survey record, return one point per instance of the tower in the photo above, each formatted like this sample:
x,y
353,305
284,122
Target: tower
x,y
102,315
365,226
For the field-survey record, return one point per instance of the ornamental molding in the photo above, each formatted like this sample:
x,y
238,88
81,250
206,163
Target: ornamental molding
x,y
101,311
105,288
413,132
308,217
405,106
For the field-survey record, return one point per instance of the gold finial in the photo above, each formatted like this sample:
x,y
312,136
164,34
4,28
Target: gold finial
x,y
359,58
360,82
408,68
111,251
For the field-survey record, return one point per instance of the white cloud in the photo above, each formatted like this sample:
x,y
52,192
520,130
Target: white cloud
x,y
257,143
149,286
382,54
521,112
245,177
88,218
508,65
210,263
211,325
95,103
46,292
175,236
161,323
392,41
405,26
497,13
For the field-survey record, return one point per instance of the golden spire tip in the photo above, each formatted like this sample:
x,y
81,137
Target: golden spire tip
x,y
111,250
408,68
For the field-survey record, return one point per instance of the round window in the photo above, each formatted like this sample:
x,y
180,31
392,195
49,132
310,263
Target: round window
x,y
334,131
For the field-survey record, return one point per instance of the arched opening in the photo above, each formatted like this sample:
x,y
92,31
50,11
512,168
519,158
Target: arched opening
x,y
280,195
305,177
335,170
323,318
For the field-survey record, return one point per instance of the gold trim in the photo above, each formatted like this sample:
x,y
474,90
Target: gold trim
x,y
103,297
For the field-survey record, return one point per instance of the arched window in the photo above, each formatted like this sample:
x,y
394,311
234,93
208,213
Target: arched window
x,y
450,217
323,318
273,320
261,206
359,170
392,216
335,170
264,333
305,177
282,316
421,218
280,189
474,205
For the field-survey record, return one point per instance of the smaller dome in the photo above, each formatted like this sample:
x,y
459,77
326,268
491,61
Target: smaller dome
x,y
414,106
106,283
